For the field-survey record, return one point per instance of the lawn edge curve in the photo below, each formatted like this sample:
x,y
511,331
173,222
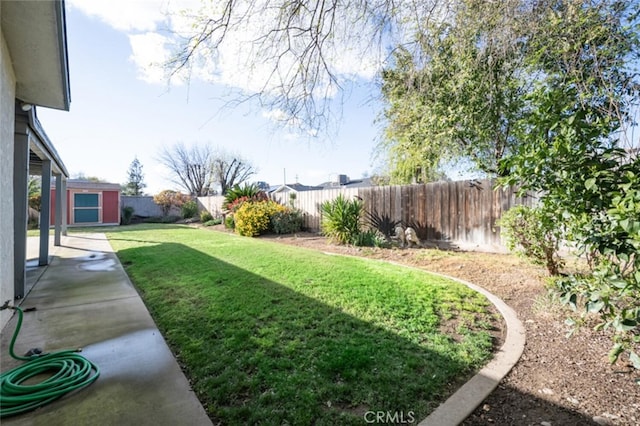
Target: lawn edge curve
x,y
470,395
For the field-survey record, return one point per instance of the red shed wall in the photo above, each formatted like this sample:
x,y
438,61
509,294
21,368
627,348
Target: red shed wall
x,y
110,207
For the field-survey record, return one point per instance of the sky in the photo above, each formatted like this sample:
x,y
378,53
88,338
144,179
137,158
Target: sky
x,y
121,108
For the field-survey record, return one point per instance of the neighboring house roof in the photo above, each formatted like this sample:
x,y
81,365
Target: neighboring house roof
x,y
296,187
355,183
35,33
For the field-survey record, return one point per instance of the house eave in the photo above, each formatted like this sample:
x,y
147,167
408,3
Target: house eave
x,y
35,33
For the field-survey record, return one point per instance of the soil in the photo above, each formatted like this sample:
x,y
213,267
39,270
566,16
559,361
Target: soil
x,y
559,380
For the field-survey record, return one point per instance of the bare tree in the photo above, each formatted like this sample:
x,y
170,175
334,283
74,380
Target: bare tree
x,y
300,53
191,168
230,170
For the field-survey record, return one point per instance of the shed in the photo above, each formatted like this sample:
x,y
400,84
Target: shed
x,y
90,203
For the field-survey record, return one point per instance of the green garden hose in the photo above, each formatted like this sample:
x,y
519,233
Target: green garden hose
x,y
67,371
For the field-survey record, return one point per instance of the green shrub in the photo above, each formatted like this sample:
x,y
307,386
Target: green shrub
x,y
342,219
533,234
229,222
287,221
205,216
212,222
254,218
169,198
162,219
127,215
189,209
370,238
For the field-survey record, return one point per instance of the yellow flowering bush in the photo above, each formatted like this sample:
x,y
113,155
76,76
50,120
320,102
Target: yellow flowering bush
x,y
254,217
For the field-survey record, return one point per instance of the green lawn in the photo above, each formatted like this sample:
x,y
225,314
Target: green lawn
x,y
275,334
36,232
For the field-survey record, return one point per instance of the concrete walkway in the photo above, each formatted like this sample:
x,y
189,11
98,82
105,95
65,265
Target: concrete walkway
x,y
85,299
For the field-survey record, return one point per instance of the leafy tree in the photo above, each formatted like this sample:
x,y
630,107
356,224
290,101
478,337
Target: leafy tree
x,y
191,167
135,184
458,91
570,153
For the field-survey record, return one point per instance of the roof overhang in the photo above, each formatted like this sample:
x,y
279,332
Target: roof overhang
x,y
35,32
40,146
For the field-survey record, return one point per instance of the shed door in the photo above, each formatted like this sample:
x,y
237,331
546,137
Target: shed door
x,y
86,208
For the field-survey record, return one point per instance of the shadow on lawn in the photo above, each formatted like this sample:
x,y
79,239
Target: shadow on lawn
x,y
257,351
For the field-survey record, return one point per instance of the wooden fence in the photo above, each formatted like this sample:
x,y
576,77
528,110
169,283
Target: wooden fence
x,y
213,204
462,214
459,213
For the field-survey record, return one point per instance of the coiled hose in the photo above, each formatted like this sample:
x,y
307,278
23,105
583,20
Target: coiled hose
x,y
67,372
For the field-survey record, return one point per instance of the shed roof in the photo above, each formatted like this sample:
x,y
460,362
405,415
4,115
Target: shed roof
x,y
91,185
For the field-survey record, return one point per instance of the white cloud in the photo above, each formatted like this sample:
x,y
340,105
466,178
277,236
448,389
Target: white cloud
x,y
148,53
125,15
157,27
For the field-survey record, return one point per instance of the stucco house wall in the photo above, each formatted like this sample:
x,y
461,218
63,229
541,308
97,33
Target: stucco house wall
x,y
34,72
7,118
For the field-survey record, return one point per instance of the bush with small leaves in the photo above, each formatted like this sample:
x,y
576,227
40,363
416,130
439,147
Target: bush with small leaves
x,y
127,215
162,219
254,218
287,221
371,238
169,198
533,234
229,222
189,209
205,216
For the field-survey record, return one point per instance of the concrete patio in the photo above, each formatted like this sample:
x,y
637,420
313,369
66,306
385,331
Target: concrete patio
x,y
83,298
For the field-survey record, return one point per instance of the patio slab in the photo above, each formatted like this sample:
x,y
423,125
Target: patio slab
x,y
84,299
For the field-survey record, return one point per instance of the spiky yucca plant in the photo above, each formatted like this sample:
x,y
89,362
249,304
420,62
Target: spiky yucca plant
x,y
342,219
250,192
